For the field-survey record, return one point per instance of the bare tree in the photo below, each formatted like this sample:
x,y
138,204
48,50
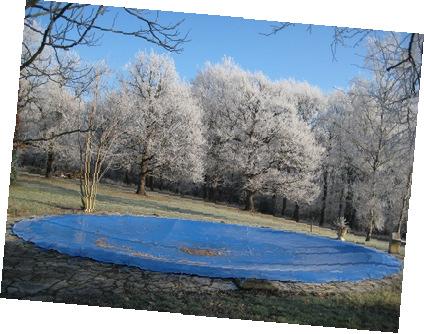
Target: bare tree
x,y
99,148
404,53
72,24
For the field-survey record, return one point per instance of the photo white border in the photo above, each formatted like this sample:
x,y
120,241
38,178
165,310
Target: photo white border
x,y
42,317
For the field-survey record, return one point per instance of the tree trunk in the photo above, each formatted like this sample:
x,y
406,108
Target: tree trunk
x,y
283,210
324,200
13,167
274,204
250,201
205,191
88,189
205,187
50,159
370,227
369,232
126,177
141,187
405,202
89,203
151,185
349,210
89,181
160,184
341,198
296,212
212,193
83,202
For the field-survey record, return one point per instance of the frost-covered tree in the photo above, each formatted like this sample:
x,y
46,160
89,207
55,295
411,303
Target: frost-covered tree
x,y
369,133
309,101
398,58
47,120
374,141
337,176
216,90
48,70
52,30
165,133
253,131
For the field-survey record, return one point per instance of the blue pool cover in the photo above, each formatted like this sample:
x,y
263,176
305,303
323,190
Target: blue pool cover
x,y
207,248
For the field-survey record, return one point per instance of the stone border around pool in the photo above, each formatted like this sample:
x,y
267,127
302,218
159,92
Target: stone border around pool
x,y
161,281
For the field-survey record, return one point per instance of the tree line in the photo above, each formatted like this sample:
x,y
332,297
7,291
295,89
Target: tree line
x,y
229,135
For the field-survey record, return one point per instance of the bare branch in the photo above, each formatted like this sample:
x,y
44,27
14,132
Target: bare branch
x,y
71,24
54,136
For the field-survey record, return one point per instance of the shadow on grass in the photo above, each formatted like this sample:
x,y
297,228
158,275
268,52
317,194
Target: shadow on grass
x,y
49,188
108,199
46,203
149,205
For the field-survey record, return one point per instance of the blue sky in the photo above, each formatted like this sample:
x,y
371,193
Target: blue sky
x,y
292,53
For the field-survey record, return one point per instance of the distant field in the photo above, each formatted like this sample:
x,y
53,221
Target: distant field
x,y
34,195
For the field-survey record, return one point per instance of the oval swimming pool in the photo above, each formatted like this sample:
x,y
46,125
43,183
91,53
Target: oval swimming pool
x,y
207,248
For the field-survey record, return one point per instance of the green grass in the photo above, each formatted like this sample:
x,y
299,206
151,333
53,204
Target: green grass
x,y
34,195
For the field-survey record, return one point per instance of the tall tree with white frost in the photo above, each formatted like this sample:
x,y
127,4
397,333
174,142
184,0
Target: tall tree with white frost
x,y
373,139
216,90
254,129
165,133
47,120
47,70
337,176
309,103
401,64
